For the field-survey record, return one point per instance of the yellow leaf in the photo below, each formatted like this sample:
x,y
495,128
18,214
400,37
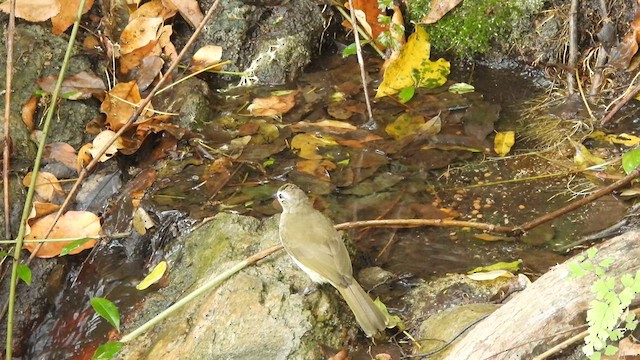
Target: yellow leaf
x,y
584,159
413,67
503,142
308,144
153,277
489,275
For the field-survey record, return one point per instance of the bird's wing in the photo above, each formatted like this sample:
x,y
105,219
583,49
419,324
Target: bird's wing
x,y
319,247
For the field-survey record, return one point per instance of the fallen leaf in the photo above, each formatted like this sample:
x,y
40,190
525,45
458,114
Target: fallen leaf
x,y
490,275
139,33
189,10
489,237
308,144
273,105
142,221
154,276
119,105
153,9
503,142
73,224
79,86
438,9
318,168
28,111
67,15
84,156
205,57
508,266
413,67
62,153
100,141
47,185
34,10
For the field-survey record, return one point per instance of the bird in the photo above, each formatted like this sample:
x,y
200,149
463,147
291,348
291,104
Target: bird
x,y
313,243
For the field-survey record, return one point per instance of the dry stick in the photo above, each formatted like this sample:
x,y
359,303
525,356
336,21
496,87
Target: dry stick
x,y
363,74
601,60
85,171
620,104
519,230
424,222
7,116
573,45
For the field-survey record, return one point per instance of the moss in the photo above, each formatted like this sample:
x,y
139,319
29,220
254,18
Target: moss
x,y
472,26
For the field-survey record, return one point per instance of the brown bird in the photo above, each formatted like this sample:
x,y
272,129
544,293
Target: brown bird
x,y
317,248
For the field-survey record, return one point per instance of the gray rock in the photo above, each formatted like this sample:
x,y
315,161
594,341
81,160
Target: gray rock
x,y
259,313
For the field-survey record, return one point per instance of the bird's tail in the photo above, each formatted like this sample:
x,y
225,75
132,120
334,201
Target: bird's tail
x,y
368,315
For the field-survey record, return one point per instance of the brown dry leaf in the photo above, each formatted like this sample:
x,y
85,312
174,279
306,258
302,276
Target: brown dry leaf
x,y
118,112
189,10
84,156
139,185
622,54
149,69
438,9
73,224
139,33
34,10
206,56
308,144
371,12
131,60
151,9
165,45
82,85
101,140
334,126
47,185
28,112
67,15
489,237
317,168
38,210
273,105
62,153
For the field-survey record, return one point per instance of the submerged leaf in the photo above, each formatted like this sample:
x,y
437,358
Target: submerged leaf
x,y
503,142
107,310
154,276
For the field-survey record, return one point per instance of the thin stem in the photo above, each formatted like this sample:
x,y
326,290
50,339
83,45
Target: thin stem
x,y
36,168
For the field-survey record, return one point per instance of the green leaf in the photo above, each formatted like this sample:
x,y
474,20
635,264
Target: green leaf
x,y
610,350
4,254
606,262
24,273
107,310
591,252
576,270
107,351
461,88
627,280
349,50
631,160
595,356
406,94
626,296
74,245
270,161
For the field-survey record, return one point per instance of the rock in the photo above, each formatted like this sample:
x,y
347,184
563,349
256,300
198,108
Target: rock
x,y
259,313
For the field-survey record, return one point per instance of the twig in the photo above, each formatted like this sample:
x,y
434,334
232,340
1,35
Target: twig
x,y
363,74
517,231
573,45
630,95
6,156
423,222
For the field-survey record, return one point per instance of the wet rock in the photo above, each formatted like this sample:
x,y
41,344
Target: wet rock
x,y
191,100
271,41
259,313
